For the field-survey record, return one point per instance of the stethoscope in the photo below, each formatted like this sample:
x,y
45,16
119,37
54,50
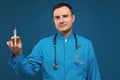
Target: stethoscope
x,y
55,66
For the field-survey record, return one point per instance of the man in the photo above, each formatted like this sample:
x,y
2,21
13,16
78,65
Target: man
x,y
63,56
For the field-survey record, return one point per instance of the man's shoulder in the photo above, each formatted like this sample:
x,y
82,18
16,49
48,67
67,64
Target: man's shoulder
x,y
46,39
83,40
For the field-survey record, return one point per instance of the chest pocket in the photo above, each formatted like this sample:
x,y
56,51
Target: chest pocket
x,y
80,55
81,64
81,59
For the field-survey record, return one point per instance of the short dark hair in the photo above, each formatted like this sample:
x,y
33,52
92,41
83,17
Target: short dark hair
x,y
61,5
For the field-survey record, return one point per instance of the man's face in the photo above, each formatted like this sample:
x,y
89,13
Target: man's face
x,y
63,19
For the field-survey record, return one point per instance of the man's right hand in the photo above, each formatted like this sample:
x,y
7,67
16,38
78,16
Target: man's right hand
x,y
15,47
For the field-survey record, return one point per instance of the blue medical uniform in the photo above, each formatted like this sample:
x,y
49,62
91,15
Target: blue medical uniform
x,y
42,58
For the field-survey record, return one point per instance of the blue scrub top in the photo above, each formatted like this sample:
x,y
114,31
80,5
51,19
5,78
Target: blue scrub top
x,y
42,58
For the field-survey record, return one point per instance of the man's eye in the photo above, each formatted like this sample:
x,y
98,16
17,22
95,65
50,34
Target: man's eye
x,y
65,15
57,17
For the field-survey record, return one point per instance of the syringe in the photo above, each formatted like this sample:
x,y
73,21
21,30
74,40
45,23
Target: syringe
x,y
15,34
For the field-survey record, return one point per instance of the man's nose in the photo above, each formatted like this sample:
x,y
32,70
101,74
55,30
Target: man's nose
x,y
61,20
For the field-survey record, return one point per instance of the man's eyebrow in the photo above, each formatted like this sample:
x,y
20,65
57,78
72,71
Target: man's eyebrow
x,y
65,15
57,16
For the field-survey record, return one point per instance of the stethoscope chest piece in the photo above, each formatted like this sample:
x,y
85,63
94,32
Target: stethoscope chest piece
x,y
55,66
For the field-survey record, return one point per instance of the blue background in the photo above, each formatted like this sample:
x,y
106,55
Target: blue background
x,y
97,20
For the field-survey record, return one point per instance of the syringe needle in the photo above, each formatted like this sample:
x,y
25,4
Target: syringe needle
x,y
15,34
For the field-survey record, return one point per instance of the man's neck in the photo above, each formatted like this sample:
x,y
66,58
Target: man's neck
x,y
67,33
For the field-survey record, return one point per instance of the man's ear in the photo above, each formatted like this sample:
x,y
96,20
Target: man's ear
x,y
73,16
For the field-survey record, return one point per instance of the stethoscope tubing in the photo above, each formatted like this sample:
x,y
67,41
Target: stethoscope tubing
x,y
55,66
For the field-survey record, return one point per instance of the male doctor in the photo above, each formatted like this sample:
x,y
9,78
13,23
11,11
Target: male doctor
x,y
62,56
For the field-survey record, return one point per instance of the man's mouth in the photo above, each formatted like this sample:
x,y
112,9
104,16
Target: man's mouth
x,y
62,25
